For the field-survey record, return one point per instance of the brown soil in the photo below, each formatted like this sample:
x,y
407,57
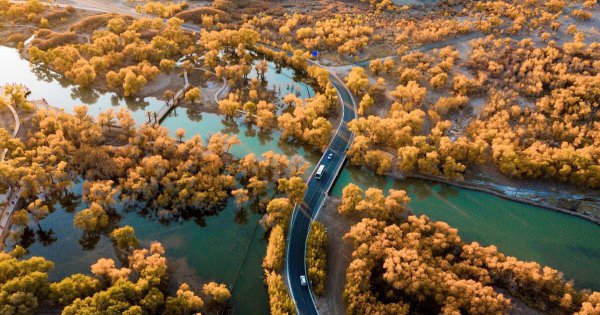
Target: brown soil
x,y
339,255
163,82
571,198
11,36
199,107
518,307
6,119
209,85
25,118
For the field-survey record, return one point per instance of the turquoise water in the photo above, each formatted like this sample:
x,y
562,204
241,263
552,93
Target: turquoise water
x,y
59,92
567,243
213,249
251,140
285,81
209,250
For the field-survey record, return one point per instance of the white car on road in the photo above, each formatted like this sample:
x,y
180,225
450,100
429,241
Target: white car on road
x,y
303,280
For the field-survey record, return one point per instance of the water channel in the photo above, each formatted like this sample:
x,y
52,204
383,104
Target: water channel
x,y
213,249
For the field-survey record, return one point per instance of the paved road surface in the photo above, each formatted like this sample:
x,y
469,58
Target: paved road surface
x,y
11,197
317,188
313,199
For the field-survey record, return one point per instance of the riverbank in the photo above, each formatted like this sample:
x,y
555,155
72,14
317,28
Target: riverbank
x,y
214,236
560,197
556,239
12,199
198,128
21,37
337,226
490,189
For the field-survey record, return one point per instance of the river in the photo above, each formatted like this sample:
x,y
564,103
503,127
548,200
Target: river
x,y
213,249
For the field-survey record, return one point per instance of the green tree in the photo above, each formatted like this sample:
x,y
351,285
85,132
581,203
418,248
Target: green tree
x,y
77,286
125,239
23,283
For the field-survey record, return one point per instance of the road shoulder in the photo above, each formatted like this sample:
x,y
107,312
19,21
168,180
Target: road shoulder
x,y
339,255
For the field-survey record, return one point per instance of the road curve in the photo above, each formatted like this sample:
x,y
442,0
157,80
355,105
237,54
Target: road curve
x,y
313,200
314,197
317,188
12,197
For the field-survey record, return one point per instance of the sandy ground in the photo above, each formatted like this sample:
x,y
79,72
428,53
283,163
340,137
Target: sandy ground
x,y
208,83
582,201
6,119
124,6
27,30
412,2
518,307
26,117
7,32
173,81
339,255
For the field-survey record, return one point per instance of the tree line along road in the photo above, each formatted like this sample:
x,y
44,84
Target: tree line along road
x,y
313,199
316,190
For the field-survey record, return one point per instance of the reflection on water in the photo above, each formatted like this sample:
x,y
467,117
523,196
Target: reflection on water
x,y
59,92
252,140
567,243
284,81
204,248
192,114
211,248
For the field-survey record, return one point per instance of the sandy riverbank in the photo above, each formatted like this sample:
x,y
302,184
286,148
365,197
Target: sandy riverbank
x,y
496,190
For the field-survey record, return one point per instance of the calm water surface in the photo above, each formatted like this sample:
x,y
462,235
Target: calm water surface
x,y
59,92
213,249
567,243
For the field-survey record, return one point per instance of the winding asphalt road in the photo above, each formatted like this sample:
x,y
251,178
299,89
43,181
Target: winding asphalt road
x,y
313,200
314,197
317,188
11,197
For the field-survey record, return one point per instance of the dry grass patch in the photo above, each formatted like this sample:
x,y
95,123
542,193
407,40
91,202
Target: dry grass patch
x,y
59,14
46,39
91,23
195,15
16,38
